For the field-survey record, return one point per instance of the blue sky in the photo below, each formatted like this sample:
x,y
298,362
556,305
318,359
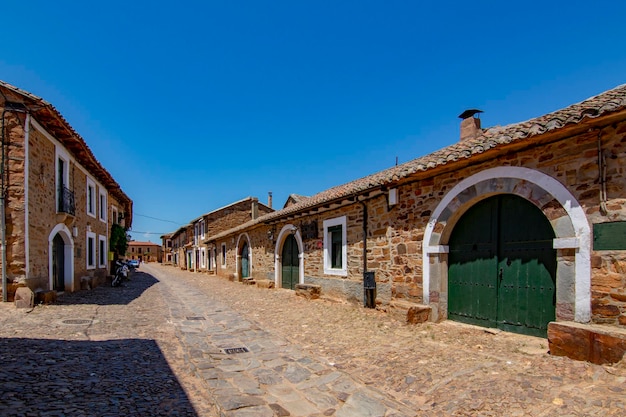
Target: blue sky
x,y
192,105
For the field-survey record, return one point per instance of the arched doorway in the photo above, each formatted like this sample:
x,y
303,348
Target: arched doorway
x,y
502,266
245,261
58,263
290,263
60,259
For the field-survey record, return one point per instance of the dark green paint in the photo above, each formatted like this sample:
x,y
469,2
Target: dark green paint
x,y
503,267
245,262
609,236
291,263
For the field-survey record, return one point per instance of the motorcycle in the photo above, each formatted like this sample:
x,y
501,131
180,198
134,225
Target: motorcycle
x,y
121,273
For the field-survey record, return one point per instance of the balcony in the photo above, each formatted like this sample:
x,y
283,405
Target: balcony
x,y
66,210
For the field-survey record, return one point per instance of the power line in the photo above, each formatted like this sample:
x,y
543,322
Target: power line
x,y
154,218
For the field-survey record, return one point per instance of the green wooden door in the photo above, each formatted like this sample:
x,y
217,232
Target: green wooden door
x,y
291,263
245,261
502,267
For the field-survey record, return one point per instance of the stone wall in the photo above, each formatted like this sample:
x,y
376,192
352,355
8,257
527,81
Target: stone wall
x,y
15,215
43,215
42,206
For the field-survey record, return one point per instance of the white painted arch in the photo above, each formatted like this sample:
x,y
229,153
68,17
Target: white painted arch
x,y
65,233
278,249
579,237
241,239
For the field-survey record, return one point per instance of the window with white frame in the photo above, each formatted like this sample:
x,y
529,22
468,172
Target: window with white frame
x,y
202,229
203,257
103,206
91,250
335,246
102,251
223,254
91,198
62,183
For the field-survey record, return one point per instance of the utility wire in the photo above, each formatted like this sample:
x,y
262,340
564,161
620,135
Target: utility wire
x,y
154,218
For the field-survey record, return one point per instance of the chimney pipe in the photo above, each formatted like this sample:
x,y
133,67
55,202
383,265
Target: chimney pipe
x,y
470,125
255,208
269,199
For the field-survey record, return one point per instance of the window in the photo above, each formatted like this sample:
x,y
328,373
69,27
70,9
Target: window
x,y
91,198
91,250
103,206
138,250
335,246
115,219
102,251
203,257
202,231
223,254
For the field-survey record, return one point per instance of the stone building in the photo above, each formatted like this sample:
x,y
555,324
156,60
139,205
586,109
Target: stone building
x,y
520,227
144,251
60,203
184,247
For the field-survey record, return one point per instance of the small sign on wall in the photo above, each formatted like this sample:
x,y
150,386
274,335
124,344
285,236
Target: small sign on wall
x,y
609,236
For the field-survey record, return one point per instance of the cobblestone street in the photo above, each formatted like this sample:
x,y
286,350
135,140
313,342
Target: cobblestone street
x,y
175,343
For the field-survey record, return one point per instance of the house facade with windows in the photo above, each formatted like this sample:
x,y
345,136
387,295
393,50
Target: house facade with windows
x,y
520,227
144,251
60,204
185,247
167,249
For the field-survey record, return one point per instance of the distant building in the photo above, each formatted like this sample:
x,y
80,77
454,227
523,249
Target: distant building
x,y
185,247
144,251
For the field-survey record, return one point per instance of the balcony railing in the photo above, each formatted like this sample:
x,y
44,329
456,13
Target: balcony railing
x,y
66,201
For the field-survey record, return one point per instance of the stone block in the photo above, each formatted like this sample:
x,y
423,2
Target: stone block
x,y
248,281
265,283
413,313
308,291
86,283
45,297
24,298
585,342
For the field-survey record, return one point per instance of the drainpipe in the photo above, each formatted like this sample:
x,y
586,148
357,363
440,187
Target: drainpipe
x,y
369,281
602,175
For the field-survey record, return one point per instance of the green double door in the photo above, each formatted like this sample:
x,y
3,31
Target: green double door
x,y
502,267
290,263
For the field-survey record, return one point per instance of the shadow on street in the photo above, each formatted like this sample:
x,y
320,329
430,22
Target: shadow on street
x,y
83,378
107,295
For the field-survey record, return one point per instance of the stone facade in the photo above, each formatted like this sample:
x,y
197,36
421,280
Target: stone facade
x,y
52,245
187,246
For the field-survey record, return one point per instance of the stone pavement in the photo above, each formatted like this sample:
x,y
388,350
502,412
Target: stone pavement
x,y
173,342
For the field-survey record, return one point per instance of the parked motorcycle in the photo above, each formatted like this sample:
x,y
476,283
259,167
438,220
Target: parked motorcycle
x,y
121,273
